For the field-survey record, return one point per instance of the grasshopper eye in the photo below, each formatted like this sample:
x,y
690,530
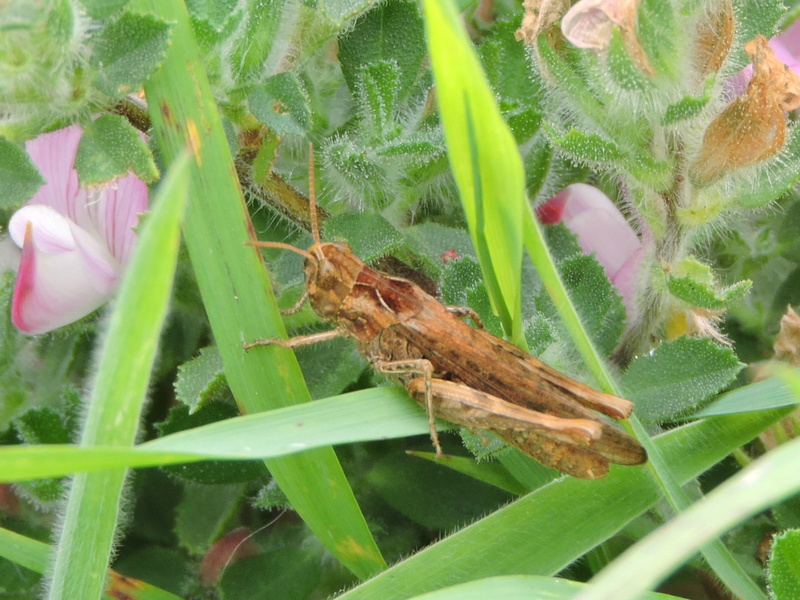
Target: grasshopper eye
x,y
327,275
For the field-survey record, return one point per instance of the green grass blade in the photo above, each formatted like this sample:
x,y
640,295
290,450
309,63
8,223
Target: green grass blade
x,y
379,413
28,553
782,389
764,483
237,295
520,587
573,516
484,160
123,369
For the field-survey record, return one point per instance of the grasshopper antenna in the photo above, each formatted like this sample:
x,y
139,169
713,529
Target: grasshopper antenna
x,y
312,195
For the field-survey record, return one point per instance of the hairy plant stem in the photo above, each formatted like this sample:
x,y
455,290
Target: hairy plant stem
x,y
667,248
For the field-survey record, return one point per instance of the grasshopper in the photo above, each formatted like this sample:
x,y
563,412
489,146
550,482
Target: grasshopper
x,y
459,373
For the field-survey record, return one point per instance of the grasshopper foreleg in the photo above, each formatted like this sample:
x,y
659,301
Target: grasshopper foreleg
x,y
299,341
293,310
419,366
465,312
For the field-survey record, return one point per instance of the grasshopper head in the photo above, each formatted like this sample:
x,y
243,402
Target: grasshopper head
x,y
331,272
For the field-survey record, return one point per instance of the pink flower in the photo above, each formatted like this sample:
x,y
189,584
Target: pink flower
x,y
75,241
601,229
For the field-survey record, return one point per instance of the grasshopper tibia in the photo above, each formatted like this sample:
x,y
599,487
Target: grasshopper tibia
x,y
422,367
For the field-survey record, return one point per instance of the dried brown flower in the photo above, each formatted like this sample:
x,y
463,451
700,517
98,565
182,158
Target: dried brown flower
x,y
753,127
539,16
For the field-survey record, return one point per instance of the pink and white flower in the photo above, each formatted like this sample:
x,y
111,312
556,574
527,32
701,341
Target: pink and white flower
x,y
76,241
601,229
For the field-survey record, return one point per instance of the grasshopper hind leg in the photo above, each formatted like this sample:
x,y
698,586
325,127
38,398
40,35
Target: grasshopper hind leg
x,y
561,456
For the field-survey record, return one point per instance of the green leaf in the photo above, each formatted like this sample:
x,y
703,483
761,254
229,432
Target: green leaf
x,y
287,574
376,413
109,148
696,293
540,332
592,149
282,104
597,301
19,177
260,44
492,473
589,148
462,286
625,73
688,107
777,391
331,367
677,376
391,32
102,9
753,18
370,235
784,566
201,380
484,160
659,34
42,426
127,50
503,59
378,88
431,495
203,513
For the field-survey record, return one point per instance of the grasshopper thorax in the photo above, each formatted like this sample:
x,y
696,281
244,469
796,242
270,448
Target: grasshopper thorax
x,y
331,270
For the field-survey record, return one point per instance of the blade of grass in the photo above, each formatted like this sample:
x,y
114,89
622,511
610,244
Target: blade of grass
x,y
237,294
123,370
378,413
520,587
571,515
762,484
484,160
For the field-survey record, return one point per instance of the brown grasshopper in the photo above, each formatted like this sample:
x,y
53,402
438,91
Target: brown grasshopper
x,y
462,374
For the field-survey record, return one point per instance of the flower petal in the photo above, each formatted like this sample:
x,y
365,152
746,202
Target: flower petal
x,y
601,229
50,228
626,280
115,213
54,155
596,221
54,289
